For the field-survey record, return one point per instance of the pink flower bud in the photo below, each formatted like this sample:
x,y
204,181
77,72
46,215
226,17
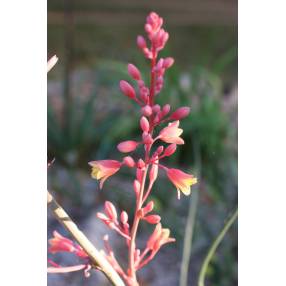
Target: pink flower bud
x,y
153,219
110,210
136,187
141,43
180,113
141,83
134,72
166,109
144,124
146,110
124,217
171,149
102,216
128,161
168,62
153,173
127,146
148,208
127,89
140,164
159,150
156,108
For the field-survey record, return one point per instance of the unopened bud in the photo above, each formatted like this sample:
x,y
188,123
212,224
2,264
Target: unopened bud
x,y
166,109
110,210
153,219
156,108
146,110
159,150
128,161
127,89
127,146
148,208
180,113
144,123
171,149
124,217
168,62
141,42
134,72
153,173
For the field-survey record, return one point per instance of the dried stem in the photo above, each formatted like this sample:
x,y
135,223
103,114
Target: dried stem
x,y
97,259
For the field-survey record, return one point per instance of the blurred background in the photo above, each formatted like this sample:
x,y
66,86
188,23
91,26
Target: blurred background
x,y
88,117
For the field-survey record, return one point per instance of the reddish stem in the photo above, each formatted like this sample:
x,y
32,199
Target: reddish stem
x,y
132,246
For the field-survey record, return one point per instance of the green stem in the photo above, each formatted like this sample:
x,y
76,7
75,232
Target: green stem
x,y
212,250
190,224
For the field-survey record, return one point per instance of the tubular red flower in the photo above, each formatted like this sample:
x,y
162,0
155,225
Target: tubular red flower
x,y
171,133
181,180
103,169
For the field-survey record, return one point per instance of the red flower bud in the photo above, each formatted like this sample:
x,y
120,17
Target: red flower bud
x,y
166,109
153,173
168,62
127,146
128,161
127,89
159,150
144,123
146,110
134,72
171,149
156,108
180,113
124,217
141,43
153,219
148,208
110,210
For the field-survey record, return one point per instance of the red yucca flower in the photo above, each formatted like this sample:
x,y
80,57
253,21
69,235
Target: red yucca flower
x,y
158,126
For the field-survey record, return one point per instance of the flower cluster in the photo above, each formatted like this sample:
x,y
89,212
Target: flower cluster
x,y
152,117
60,243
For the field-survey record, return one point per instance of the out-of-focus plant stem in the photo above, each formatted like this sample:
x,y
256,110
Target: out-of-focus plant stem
x,y
98,260
189,231
212,250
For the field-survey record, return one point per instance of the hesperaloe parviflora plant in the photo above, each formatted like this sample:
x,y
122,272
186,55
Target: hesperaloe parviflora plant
x,y
158,125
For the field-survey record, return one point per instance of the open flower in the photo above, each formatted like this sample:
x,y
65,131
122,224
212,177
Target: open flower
x,y
181,180
171,133
103,169
159,237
